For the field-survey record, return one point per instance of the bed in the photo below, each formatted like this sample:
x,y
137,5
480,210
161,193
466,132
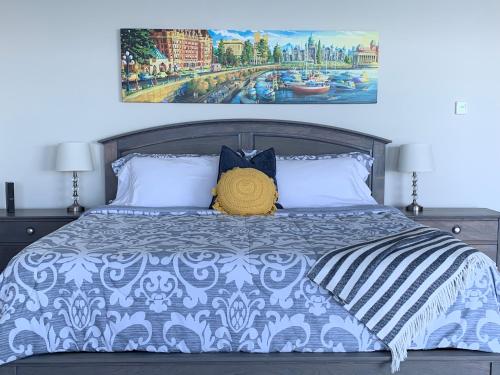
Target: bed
x,y
224,288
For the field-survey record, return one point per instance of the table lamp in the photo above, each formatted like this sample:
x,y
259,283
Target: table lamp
x,y
413,158
74,157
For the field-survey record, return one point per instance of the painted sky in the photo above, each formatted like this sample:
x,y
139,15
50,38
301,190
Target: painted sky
x,y
293,37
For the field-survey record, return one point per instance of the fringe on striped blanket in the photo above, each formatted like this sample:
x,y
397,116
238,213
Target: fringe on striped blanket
x,y
396,286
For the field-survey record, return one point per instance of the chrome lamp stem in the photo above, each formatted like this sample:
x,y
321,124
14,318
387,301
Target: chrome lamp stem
x,y
414,206
75,207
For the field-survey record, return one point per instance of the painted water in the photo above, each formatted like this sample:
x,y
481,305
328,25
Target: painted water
x,y
353,86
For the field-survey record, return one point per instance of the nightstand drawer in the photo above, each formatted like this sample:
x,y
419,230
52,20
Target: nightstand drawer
x,y
490,250
468,230
27,231
7,252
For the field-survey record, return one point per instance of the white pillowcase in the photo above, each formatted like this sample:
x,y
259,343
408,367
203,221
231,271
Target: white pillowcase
x,y
171,182
322,183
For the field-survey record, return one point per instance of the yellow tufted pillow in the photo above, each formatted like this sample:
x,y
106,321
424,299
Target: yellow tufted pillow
x,y
245,191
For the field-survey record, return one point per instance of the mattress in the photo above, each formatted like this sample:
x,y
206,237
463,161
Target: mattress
x,y
187,280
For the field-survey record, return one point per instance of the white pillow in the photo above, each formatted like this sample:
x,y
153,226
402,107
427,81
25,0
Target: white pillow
x,y
118,164
322,183
123,189
171,182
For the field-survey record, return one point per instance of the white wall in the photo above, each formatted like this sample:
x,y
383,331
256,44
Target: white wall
x,y
59,66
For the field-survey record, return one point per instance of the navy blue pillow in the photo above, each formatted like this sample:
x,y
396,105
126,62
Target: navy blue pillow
x,y
264,161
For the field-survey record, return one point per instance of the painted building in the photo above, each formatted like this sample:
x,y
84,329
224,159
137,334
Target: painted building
x,y
365,56
328,53
158,62
184,48
236,46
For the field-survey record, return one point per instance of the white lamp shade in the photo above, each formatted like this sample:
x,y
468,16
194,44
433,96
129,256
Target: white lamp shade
x,y
415,157
73,157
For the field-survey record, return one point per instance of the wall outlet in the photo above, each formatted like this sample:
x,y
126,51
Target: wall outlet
x,y
461,108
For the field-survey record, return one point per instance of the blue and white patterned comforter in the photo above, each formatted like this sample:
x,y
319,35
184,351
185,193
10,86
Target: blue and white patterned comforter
x,y
157,280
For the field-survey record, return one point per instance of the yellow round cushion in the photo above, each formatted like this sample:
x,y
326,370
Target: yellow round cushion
x,y
245,191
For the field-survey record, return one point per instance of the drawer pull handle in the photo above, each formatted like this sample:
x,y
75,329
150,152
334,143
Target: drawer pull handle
x,y
30,231
456,229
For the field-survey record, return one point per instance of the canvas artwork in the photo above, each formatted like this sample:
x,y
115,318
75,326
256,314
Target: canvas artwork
x,y
249,67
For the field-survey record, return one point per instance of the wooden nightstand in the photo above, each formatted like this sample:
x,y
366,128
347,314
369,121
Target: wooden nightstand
x,y
478,227
24,227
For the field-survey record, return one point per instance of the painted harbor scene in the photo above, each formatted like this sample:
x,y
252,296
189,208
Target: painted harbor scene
x,y
249,67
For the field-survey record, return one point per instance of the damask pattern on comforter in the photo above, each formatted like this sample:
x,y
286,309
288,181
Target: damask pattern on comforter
x,y
196,281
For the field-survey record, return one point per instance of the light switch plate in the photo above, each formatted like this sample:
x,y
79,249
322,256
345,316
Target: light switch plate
x,y
461,108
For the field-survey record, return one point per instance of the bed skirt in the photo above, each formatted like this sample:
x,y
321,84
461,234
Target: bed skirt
x,y
428,362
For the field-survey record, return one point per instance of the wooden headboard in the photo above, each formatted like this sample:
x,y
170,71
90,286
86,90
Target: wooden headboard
x,y
207,137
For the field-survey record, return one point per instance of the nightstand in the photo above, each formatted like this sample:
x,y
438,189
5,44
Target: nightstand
x,y
24,227
478,227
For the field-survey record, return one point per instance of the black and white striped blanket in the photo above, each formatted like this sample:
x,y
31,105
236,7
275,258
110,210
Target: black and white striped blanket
x,y
399,284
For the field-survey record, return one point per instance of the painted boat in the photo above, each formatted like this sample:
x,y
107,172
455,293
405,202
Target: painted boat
x,y
345,85
261,86
246,100
266,95
271,77
294,83
292,80
319,77
311,87
264,90
345,76
250,93
362,82
364,78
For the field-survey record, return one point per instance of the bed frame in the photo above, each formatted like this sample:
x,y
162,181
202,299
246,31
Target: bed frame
x,y
287,137
207,137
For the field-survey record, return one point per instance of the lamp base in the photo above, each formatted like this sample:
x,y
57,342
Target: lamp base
x,y
414,207
75,208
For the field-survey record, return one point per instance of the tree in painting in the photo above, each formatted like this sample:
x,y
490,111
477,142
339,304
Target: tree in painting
x,y
137,42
